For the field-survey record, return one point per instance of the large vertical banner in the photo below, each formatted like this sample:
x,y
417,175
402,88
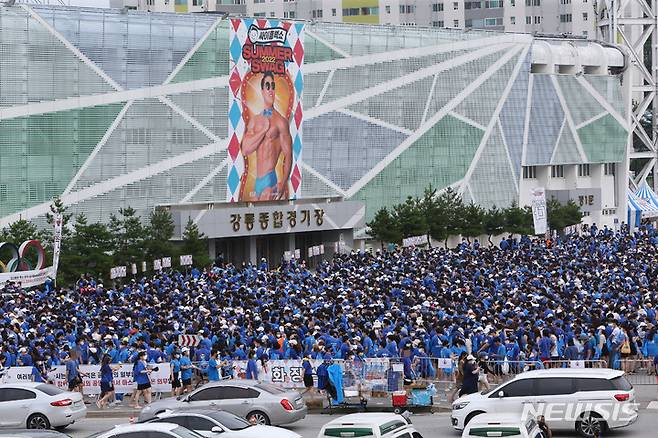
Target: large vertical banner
x,y
539,214
265,110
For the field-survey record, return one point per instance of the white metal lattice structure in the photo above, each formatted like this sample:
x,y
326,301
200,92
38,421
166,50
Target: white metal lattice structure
x,y
132,109
633,24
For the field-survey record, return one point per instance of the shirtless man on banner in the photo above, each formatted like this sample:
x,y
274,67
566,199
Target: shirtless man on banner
x,y
268,134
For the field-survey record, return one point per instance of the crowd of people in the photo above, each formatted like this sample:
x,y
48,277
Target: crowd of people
x,y
589,296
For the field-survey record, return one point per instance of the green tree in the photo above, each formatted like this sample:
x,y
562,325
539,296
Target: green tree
x,y
128,236
493,222
20,231
409,218
384,227
159,232
88,251
473,221
518,220
450,218
195,243
562,215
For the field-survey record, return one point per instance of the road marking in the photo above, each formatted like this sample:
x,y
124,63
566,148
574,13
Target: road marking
x,y
653,405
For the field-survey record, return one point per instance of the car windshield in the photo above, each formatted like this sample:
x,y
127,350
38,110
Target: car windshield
x,y
230,421
272,389
49,389
185,433
494,390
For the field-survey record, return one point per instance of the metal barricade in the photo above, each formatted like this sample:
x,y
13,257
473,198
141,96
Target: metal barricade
x,y
640,371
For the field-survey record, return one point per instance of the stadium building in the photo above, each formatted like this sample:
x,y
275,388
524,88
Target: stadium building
x,y
110,108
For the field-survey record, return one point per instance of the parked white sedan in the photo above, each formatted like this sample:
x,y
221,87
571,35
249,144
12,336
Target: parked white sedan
x,y
209,423
39,406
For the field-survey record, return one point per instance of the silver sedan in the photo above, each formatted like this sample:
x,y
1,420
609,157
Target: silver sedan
x,y
259,403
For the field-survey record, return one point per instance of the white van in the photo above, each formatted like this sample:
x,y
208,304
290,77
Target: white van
x,y
589,400
370,425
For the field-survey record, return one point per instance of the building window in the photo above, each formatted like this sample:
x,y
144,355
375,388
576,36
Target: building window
x,y
512,2
272,15
388,9
259,14
529,172
565,2
583,170
533,2
585,17
557,171
333,12
528,19
493,4
455,6
512,20
493,21
437,23
609,211
565,18
609,168
455,23
437,7
537,19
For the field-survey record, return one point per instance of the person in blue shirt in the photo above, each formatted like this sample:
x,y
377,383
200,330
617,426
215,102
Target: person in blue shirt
x,y
176,387
187,370
73,375
308,375
107,381
24,359
214,367
141,377
252,368
39,372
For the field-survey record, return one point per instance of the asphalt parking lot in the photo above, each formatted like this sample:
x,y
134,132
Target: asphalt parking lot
x,y
429,425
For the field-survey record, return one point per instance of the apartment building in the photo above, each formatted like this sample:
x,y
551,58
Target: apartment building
x,y
235,7
572,17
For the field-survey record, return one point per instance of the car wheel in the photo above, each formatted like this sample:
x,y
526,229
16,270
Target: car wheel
x,y
38,421
590,424
471,416
258,417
